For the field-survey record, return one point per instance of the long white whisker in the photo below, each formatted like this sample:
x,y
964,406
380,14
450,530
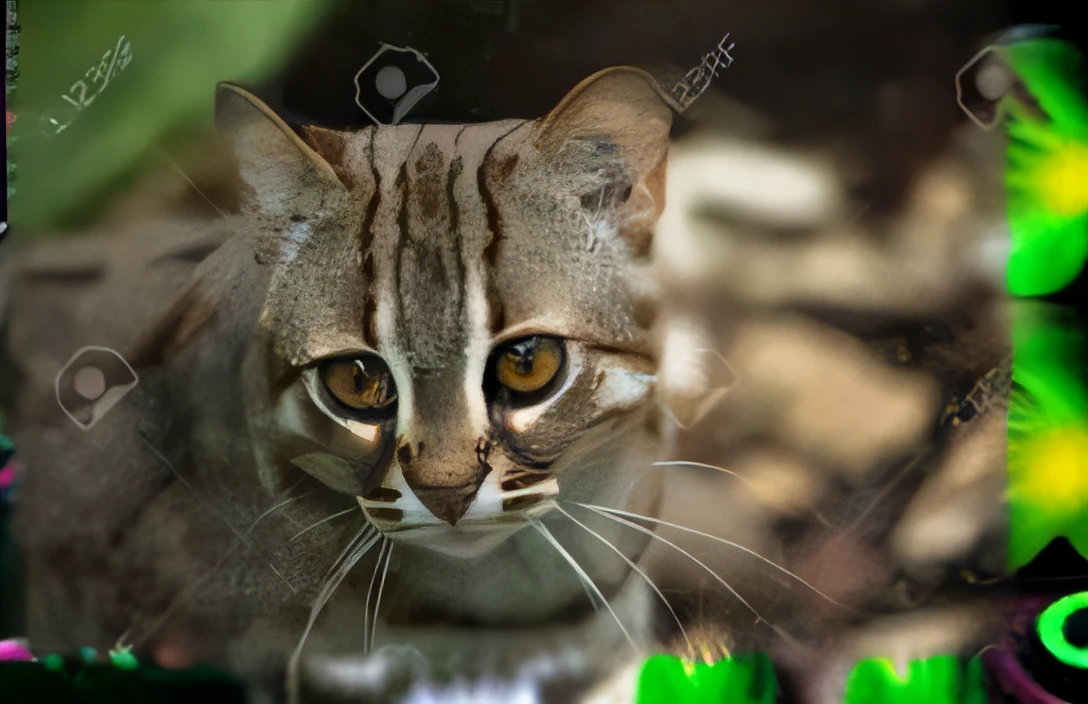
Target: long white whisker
x,y
361,535
592,597
582,575
275,508
185,176
748,482
638,570
334,516
369,591
685,553
189,589
381,588
730,543
362,546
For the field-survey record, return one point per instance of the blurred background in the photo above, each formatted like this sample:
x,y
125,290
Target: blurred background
x,y
834,218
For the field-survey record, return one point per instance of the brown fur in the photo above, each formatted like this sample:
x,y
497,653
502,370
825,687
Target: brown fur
x,y
428,245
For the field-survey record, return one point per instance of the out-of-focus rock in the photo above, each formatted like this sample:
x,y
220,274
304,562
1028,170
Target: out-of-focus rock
x,y
832,400
961,503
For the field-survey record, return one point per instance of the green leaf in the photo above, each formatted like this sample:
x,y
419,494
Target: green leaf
x,y
180,50
939,680
745,679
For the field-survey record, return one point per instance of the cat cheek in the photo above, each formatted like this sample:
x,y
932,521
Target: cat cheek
x,y
343,475
622,389
693,377
332,471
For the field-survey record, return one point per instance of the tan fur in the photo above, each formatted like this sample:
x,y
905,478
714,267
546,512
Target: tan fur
x,y
428,245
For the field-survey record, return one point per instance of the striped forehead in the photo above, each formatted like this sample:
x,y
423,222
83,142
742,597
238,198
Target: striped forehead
x,y
427,233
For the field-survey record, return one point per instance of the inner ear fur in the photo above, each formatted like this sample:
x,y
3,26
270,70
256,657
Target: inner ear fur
x,y
622,104
286,175
625,107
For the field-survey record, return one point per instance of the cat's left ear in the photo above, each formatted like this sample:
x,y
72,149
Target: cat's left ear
x,y
624,112
286,175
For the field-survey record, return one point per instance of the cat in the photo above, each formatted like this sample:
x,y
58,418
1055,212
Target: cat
x,y
369,406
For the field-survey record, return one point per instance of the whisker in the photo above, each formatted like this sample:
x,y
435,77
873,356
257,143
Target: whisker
x,y
889,486
185,594
582,575
323,520
162,154
685,553
369,591
638,570
592,597
162,458
362,544
730,543
277,507
188,590
748,482
360,535
381,588
280,575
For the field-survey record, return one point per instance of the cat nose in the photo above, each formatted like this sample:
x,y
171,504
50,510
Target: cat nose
x,y
442,481
446,503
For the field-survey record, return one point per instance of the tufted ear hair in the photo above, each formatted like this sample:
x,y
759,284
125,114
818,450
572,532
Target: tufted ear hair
x,y
616,123
285,175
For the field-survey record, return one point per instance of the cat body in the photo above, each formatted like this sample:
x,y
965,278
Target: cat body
x,y
396,373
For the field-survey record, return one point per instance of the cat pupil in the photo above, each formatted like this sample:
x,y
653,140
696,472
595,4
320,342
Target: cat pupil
x,y
525,357
362,384
371,390
360,377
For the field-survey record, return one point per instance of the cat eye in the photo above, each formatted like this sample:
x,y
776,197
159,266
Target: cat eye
x,y
360,384
527,366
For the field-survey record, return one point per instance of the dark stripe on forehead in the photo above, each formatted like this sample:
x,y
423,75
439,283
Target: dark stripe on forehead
x,y
366,241
402,226
494,218
402,238
366,235
429,259
456,166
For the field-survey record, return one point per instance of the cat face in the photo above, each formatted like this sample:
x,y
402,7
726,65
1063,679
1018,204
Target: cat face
x,y
473,339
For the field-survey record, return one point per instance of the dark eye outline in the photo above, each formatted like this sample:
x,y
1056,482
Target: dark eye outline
x,y
368,415
495,390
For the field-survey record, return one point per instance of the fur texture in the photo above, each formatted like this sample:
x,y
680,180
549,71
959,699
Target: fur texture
x,y
203,516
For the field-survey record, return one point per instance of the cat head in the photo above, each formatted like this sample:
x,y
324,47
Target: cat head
x,y
458,329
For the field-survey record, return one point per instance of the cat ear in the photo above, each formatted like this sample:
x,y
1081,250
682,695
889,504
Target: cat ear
x,y
621,111
623,103
286,175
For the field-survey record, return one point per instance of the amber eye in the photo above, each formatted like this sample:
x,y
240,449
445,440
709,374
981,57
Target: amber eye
x,y
360,384
528,365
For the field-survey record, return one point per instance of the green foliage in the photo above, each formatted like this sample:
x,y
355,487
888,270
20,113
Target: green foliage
x,y
939,680
745,679
1047,168
1048,434
180,50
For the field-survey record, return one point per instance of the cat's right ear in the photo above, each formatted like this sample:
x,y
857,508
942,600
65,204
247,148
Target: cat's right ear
x,y
286,176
